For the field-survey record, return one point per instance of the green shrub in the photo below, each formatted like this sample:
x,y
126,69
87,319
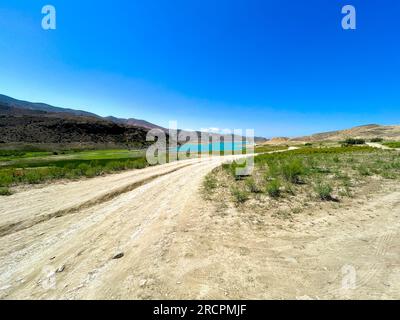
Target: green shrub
x,y
6,177
292,170
395,165
92,172
252,185
113,166
273,169
388,175
346,191
323,190
239,195
210,182
5,191
376,140
273,188
231,168
364,171
34,176
139,163
336,159
83,167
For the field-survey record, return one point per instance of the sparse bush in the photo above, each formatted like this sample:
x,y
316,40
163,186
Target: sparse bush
x,y
273,169
273,188
83,167
209,183
388,175
5,191
376,140
252,185
395,165
239,195
283,214
364,171
231,168
34,176
6,177
289,188
336,159
346,190
323,190
92,172
292,170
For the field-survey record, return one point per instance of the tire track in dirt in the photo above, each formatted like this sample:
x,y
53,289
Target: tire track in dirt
x,y
20,225
99,230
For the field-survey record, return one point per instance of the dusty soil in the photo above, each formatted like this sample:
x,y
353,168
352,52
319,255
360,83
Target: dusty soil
x,y
149,234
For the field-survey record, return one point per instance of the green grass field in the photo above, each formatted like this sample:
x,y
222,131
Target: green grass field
x,y
32,167
8,155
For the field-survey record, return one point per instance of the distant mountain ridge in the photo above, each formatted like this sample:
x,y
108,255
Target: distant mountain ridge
x,y
369,131
42,128
6,100
29,122
119,130
134,122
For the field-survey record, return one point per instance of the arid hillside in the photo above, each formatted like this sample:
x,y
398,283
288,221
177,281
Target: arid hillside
x,y
363,132
33,126
32,122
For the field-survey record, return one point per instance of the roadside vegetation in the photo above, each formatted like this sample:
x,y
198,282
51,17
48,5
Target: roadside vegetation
x,y
392,144
30,165
286,183
33,167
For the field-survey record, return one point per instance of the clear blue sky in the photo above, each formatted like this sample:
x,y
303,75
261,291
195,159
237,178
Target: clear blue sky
x,y
281,67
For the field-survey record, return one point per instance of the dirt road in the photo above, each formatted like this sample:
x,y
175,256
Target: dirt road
x,y
150,234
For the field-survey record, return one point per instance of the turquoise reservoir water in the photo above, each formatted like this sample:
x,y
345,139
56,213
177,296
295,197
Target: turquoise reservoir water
x,y
216,146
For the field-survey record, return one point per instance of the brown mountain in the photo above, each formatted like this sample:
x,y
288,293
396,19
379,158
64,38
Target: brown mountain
x,y
277,140
29,126
363,132
30,122
8,101
134,122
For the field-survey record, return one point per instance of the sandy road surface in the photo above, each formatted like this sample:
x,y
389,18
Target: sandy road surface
x,y
59,242
25,209
68,215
